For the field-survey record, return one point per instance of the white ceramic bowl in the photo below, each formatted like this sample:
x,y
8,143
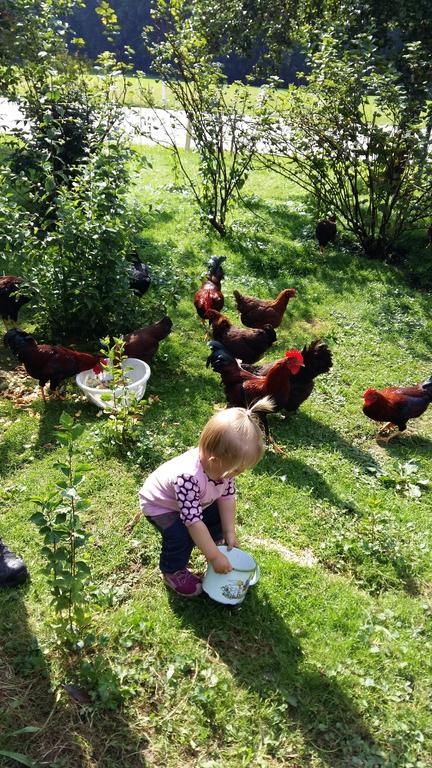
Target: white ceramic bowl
x,y
230,588
138,374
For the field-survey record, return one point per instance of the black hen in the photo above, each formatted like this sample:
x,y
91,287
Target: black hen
x,y
139,277
317,359
11,301
326,232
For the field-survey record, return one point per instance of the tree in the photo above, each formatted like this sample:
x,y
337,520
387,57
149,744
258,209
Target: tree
x,y
64,213
217,119
351,137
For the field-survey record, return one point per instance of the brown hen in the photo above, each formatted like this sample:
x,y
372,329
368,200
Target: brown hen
x,y
256,313
396,405
144,343
247,344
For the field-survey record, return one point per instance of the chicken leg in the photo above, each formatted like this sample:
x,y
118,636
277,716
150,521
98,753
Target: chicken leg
x,y
387,432
269,440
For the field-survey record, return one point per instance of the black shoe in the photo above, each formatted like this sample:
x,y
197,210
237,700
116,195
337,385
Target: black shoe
x,y
13,570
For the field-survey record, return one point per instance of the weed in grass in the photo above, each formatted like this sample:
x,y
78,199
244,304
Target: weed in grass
x,y
403,479
374,548
58,519
123,409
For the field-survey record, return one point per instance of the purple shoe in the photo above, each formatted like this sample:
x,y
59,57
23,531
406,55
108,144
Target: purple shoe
x,y
184,583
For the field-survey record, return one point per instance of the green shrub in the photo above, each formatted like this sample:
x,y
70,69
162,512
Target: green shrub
x,y
80,269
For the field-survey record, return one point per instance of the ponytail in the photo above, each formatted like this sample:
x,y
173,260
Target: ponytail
x,y
266,404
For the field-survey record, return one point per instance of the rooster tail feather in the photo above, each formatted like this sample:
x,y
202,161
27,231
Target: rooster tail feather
x,y
162,328
238,298
428,384
317,358
214,266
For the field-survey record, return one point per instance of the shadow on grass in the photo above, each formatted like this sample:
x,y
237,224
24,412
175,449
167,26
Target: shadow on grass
x,y
263,654
409,446
304,477
65,732
299,430
26,695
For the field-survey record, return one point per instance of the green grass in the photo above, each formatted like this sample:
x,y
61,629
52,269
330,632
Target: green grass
x,y
325,665
135,85
131,88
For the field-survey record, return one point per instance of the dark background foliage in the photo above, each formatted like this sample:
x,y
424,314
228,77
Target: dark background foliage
x,y
133,17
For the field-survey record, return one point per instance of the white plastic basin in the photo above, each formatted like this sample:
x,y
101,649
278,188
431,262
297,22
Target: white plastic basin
x,y
138,374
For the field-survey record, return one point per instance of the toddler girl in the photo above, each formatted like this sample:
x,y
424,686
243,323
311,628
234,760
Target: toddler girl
x,y
191,499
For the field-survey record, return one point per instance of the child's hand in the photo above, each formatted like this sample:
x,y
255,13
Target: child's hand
x,y
221,564
231,539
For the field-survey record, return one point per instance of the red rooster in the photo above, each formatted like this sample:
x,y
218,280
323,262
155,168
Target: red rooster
x,y
45,362
317,359
256,313
396,406
243,388
210,296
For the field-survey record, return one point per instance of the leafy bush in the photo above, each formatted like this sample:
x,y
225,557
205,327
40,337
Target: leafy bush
x,y
80,268
352,137
64,216
217,120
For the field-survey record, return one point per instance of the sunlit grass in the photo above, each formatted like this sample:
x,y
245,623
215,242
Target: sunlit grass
x,y
326,665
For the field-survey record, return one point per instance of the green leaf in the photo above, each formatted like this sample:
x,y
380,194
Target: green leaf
x,y
38,518
82,467
83,568
19,758
27,729
66,420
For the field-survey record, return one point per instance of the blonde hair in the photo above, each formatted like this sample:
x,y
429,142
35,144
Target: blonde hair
x,y
235,437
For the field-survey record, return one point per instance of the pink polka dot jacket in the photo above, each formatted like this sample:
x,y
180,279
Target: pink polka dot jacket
x,y
182,485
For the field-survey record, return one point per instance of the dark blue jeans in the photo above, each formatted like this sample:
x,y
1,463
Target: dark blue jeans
x,y
177,544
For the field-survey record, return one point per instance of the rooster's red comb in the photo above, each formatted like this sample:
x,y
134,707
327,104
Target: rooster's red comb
x,y
369,392
294,354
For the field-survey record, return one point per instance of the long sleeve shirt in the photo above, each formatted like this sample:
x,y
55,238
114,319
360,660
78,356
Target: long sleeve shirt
x,y
182,485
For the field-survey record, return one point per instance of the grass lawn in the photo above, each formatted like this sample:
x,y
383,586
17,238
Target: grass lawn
x,y
327,664
133,96
166,99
